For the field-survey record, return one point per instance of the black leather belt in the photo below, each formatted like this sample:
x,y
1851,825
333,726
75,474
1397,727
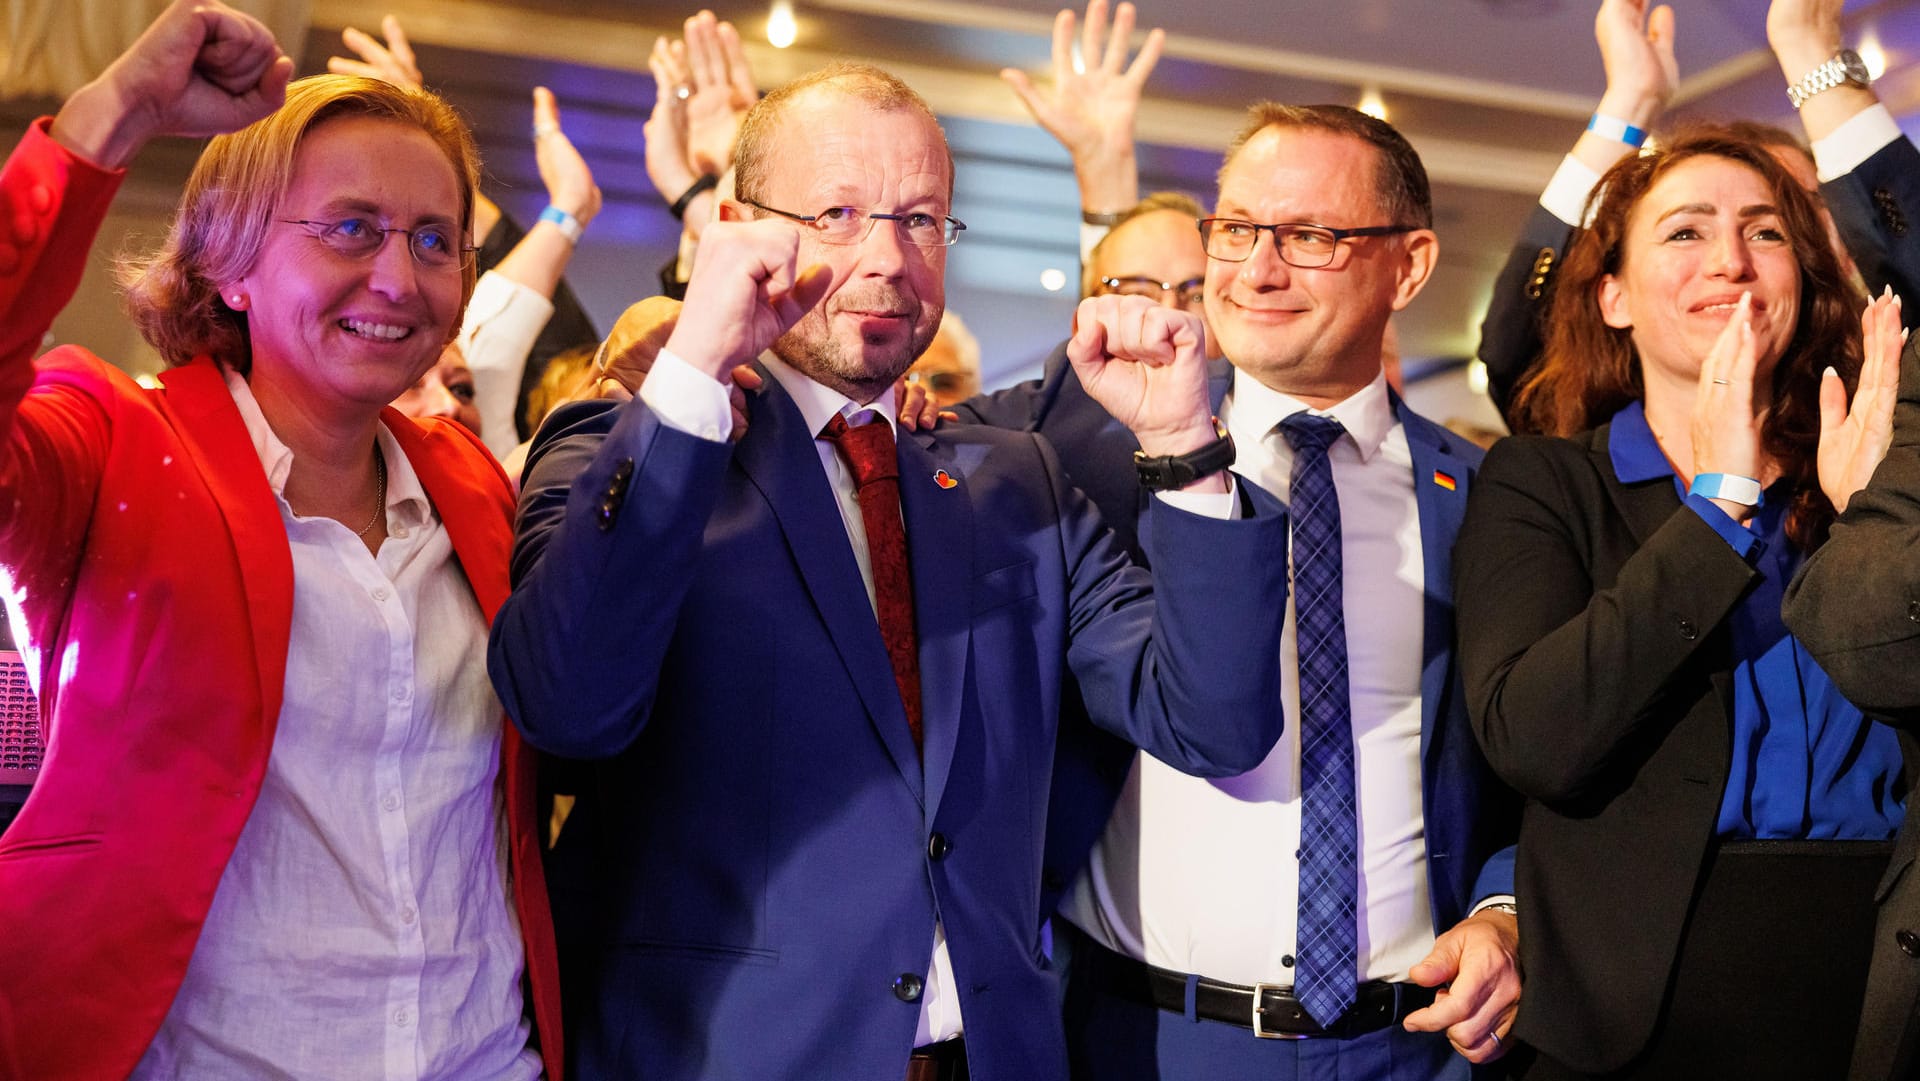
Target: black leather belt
x,y
943,1061
1269,1011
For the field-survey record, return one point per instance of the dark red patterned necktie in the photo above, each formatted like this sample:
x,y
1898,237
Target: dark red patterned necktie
x,y
867,448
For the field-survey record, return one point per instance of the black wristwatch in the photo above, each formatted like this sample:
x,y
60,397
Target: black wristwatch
x,y
1168,472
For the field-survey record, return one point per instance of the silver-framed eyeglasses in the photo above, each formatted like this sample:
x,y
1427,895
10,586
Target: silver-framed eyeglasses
x,y
1187,294
850,225
434,247
1300,244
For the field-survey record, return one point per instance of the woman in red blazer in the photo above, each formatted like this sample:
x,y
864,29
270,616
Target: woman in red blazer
x,y
1705,813
277,831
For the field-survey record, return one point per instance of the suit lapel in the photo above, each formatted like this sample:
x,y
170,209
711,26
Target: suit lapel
x,y
1644,506
1440,482
778,457
939,523
210,428
476,508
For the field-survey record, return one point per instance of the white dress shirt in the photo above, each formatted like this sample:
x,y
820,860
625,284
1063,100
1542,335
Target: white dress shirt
x,y
362,927
1200,876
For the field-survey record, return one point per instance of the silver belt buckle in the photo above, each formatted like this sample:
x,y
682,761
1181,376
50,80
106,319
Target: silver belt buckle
x,y
1259,1032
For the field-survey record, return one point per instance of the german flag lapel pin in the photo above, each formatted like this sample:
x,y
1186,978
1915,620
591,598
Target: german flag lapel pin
x,y
1444,480
944,479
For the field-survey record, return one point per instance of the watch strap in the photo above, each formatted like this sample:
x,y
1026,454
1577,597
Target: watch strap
x,y
1170,472
1844,68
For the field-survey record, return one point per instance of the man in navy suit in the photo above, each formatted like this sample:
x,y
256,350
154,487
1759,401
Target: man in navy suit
x,y
1184,930
815,817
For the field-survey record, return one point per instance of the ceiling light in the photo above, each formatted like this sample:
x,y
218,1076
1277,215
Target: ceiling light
x,y
1872,55
782,28
1372,104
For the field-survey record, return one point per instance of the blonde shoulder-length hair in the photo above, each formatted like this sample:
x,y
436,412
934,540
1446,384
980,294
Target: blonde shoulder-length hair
x,y
173,294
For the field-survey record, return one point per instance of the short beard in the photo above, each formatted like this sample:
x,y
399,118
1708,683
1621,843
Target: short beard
x,y
815,353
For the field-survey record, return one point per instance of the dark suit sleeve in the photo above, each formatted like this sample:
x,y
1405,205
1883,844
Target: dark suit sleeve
x,y
589,598
1855,605
569,326
1203,695
1011,407
1561,675
1510,337
1877,207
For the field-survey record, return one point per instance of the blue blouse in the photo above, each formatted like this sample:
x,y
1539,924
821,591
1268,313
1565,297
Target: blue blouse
x,y
1806,763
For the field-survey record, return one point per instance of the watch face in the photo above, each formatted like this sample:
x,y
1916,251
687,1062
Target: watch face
x,y
1855,68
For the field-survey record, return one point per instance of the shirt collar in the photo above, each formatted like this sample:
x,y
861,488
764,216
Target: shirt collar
x,y
818,403
407,501
1366,414
1636,454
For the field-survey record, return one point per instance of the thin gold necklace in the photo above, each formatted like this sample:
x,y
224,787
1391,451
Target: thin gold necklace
x,y
380,501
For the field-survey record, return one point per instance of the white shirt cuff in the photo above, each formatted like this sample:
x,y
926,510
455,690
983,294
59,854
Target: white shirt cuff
x,y
1566,194
503,321
1221,505
1865,134
687,399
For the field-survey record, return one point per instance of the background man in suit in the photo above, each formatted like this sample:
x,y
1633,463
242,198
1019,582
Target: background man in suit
x,y
1856,607
1865,171
815,842
1210,884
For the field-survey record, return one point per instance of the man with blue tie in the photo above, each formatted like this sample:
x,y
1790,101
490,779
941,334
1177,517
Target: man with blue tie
x,y
818,671
1321,895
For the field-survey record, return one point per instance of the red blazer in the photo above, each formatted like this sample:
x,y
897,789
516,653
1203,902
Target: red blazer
x,y
140,538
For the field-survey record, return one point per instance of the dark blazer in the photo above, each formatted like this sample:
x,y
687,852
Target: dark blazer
x,y
1598,673
1470,817
1856,607
770,854
1876,207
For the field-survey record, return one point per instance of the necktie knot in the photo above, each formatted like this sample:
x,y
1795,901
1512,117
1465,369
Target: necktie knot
x,y
866,444
1308,433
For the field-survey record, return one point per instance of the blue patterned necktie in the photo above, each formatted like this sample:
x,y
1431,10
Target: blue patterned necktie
x,y
1328,952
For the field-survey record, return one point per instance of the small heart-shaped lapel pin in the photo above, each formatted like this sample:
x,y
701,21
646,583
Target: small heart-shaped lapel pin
x,y
944,480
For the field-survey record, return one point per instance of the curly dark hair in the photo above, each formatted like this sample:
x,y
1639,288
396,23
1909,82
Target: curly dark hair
x,y
1589,370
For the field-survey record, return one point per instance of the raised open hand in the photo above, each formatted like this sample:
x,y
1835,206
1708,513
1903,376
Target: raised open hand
x,y
391,61
1854,439
569,182
1091,109
720,94
1636,49
1726,432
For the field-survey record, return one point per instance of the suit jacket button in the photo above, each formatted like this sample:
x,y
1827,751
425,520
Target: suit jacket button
x,y
938,846
1688,630
1909,942
906,987
1913,611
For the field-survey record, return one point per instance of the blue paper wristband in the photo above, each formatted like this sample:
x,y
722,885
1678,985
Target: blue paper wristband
x,y
1612,127
569,225
1745,491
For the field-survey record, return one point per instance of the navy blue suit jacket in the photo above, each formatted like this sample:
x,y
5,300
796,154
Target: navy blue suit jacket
x,y
1471,818
769,855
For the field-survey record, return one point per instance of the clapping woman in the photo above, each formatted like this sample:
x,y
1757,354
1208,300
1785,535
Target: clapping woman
x,y
1706,816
